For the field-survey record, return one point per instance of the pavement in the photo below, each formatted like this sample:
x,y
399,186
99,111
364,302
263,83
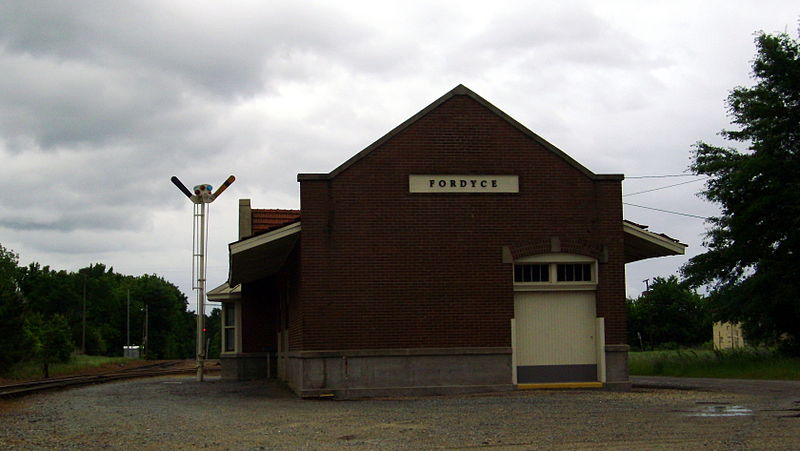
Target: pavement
x,y
177,412
761,388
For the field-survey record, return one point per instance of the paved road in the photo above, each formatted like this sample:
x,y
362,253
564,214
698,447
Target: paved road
x,y
768,389
179,413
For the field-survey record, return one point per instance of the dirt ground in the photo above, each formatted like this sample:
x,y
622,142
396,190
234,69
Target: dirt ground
x,y
180,413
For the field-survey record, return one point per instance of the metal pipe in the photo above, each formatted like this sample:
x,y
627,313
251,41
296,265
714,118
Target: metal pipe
x,y
201,292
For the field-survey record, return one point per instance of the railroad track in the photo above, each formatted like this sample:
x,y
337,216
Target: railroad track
x,y
155,369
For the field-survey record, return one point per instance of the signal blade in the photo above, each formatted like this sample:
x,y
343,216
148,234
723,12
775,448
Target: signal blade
x,y
181,186
224,186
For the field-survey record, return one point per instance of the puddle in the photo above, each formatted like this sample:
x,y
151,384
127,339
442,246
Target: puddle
x,y
722,411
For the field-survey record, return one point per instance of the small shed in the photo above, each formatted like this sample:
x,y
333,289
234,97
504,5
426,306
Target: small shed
x,y
728,336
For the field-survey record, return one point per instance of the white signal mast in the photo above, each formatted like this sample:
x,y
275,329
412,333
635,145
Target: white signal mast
x,y
202,195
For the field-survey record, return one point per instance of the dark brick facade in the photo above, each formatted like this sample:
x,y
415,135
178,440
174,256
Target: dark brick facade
x,y
380,291
382,268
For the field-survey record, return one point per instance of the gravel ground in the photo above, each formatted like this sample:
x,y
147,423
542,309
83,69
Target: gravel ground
x,y
180,413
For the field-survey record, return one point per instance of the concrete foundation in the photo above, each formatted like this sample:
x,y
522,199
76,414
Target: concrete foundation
x,y
398,372
617,368
249,366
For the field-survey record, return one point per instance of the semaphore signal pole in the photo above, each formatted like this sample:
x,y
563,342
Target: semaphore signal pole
x,y
202,196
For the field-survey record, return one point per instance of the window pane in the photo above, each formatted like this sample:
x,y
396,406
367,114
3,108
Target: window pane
x,y
574,272
230,339
230,314
531,273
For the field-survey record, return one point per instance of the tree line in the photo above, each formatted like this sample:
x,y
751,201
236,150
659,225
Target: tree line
x,y
669,315
753,245
48,314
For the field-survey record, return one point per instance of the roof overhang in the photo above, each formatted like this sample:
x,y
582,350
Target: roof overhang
x,y
224,293
261,255
641,244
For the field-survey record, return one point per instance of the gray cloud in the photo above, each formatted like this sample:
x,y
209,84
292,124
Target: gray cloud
x,y
214,47
101,102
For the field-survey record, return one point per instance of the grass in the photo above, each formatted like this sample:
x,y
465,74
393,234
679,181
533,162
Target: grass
x,y
748,363
78,364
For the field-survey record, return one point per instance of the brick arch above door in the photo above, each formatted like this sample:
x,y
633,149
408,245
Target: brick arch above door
x,y
555,245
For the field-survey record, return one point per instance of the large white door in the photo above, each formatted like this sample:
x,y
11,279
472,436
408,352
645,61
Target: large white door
x,y
555,336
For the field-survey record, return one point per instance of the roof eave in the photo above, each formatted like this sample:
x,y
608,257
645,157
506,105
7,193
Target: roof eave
x,y
261,255
641,244
224,293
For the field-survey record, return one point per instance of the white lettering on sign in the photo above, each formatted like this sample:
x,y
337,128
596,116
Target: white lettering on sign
x,y
463,184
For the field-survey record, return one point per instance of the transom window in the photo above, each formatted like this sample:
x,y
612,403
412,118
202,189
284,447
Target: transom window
x,y
555,272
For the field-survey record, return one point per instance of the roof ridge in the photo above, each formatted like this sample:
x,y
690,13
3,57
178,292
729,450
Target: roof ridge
x,y
458,90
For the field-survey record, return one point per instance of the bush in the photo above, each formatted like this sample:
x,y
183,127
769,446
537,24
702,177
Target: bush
x,y
95,345
54,341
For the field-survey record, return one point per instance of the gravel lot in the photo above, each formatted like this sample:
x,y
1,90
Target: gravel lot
x,y
179,413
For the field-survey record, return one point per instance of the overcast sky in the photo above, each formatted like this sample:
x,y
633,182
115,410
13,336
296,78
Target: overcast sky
x,y
102,102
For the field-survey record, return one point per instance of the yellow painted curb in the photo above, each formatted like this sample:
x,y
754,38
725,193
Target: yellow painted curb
x,y
560,385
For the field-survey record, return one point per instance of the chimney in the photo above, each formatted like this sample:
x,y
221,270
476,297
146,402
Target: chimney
x,y
245,219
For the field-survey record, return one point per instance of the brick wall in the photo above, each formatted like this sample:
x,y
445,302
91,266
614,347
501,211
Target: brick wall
x,y
258,311
269,305
383,268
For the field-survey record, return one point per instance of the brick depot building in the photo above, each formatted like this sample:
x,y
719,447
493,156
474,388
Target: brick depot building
x,y
460,252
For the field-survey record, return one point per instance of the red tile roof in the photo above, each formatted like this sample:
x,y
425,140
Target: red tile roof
x,y
265,219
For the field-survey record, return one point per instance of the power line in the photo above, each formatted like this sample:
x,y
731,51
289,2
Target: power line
x,y
666,211
664,187
661,176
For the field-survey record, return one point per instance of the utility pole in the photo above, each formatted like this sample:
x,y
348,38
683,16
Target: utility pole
x,y
83,321
129,319
202,195
144,337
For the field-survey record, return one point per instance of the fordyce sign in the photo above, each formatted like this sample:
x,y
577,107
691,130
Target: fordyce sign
x,y
463,184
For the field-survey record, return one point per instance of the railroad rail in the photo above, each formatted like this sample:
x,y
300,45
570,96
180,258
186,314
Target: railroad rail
x,y
54,383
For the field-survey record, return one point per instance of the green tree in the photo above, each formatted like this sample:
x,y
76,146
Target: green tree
x,y
16,340
168,336
53,341
106,308
213,333
48,292
37,304
668,314
754,244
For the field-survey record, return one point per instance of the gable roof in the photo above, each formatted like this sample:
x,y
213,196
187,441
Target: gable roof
x,y
459,90
267,219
